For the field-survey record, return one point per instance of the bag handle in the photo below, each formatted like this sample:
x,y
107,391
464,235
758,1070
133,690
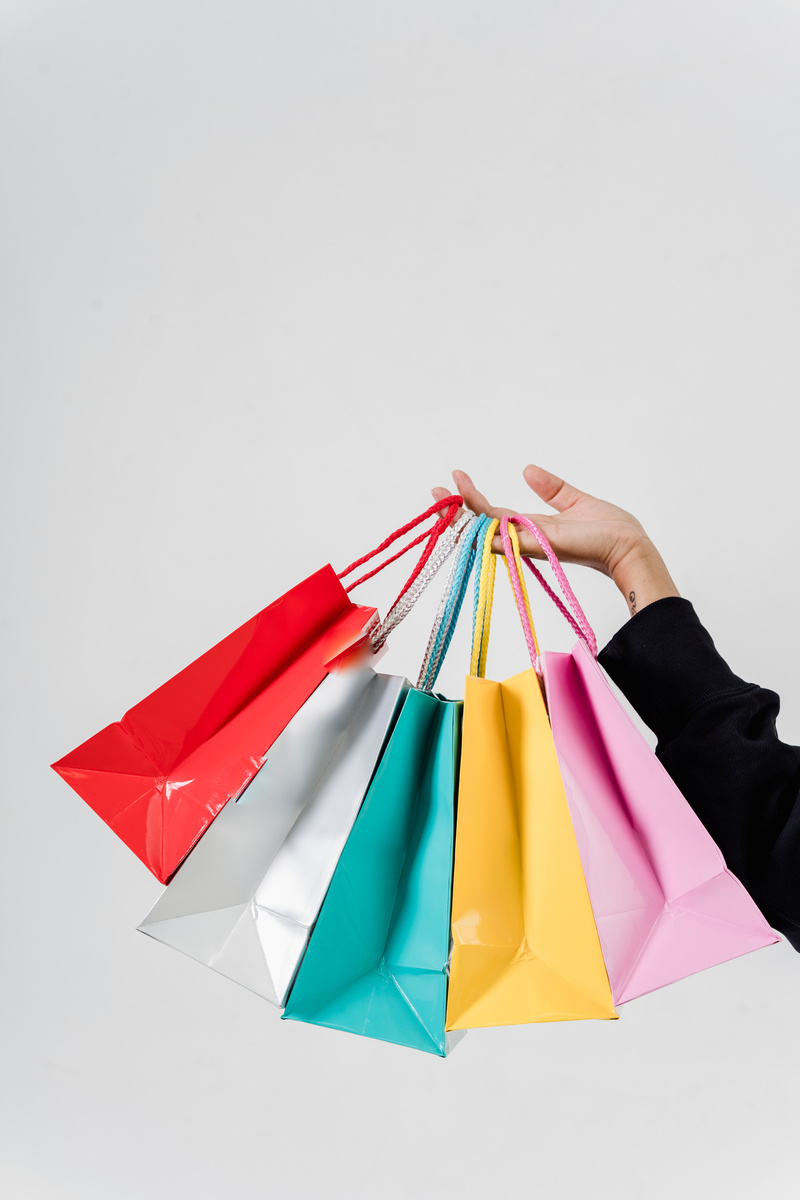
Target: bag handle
x,y
577,617
450,503
513,561
403,605
484,596
450,603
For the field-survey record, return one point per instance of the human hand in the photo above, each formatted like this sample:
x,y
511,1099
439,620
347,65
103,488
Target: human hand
x,y
584,530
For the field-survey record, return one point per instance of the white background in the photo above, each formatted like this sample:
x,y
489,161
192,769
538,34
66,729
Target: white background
x,y
268,272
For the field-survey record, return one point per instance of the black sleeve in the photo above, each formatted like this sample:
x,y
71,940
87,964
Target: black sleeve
x,y
717,739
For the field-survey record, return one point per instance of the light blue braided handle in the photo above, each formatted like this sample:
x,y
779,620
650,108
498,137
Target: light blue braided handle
x,y
447,619
434,641
476,591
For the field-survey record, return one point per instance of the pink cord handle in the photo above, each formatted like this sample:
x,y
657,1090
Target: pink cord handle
x,y
556,599
577,618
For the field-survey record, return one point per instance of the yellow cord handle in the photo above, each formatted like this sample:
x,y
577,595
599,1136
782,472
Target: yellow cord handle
x,y
483,612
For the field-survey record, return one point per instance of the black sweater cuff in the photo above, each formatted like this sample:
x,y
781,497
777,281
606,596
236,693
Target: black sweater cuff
x,y
665,662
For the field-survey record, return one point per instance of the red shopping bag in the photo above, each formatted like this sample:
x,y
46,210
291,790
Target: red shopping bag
x,y
160,775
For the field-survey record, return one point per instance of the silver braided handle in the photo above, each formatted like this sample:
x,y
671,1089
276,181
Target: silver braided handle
x,y
446,594
428,668
445,547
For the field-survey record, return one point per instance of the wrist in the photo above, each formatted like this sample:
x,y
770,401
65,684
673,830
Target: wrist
x,y
642,576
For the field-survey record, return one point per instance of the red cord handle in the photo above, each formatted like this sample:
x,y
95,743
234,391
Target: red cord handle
x,y
450,503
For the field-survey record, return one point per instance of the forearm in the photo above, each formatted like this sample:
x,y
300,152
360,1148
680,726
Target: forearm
x,y
717,739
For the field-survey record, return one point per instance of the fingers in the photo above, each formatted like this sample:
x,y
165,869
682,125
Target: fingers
x,y
528,545
439,493
551,489
478,503
475,500
472,497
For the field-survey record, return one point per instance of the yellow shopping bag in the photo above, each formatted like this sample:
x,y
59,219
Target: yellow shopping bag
x,y
525,943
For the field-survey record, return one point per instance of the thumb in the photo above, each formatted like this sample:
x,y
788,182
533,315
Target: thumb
x,y
551,488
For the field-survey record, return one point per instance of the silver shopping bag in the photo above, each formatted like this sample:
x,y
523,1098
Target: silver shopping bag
x,y
244,900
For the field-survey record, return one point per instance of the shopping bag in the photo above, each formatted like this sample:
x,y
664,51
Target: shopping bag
x,y
376,961
525,944
376,964
244,900
664,902
160,775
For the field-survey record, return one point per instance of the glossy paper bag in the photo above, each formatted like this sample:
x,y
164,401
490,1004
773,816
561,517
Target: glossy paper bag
x,y
376,962
160,775
665,904
525,944
245,899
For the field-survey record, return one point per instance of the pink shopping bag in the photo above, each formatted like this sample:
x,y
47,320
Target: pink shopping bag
x,y
665,904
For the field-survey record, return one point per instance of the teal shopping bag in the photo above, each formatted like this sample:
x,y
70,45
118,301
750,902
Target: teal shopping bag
x,y
376,963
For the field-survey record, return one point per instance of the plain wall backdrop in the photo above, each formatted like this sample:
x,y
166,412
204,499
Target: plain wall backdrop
x,y
269,270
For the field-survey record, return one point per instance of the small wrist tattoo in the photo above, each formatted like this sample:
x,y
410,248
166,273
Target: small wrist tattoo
x,y
632,598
